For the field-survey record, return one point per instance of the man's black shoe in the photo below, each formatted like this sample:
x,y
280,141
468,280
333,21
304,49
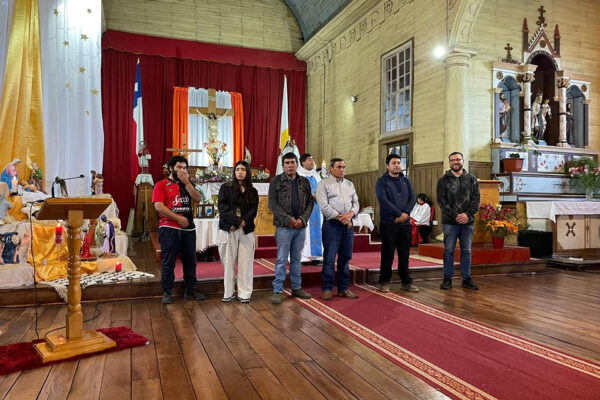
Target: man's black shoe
x,y
192,294
447,284
469,284
167,297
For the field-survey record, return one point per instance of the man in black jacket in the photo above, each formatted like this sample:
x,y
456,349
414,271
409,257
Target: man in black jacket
x,y
396,200
458,197
291,201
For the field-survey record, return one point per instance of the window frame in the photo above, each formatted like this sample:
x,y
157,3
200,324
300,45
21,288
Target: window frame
x,y
409,44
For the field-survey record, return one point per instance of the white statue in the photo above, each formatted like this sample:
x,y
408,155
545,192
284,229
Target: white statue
x,y
143,157
290,147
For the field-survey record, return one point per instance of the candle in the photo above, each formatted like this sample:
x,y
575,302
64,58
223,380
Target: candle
x,y
14,188
58,234
118,266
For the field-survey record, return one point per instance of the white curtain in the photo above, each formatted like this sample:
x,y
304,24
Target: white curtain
x,y
198,127
70,32
6,10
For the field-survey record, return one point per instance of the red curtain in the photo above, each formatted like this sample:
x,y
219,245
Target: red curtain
x,y
261,89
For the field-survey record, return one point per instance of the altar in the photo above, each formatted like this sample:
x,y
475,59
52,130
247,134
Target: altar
x,y
264,217
575,225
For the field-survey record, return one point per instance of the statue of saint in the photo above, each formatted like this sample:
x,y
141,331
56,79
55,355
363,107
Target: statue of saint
x,y
10,176
36,178
290,147
570,124
504,108
109,246
98,184
143,157
546,116
536,117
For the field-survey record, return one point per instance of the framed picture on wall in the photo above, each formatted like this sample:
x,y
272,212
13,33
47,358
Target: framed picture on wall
x,y
208,211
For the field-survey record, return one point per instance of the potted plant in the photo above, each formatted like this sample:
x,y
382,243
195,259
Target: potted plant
x,y
585,173
514,163
500,222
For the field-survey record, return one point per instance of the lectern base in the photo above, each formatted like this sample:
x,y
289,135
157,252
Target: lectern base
x,y
57,347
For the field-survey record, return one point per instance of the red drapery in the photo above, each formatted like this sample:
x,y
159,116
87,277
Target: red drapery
x,y
261,89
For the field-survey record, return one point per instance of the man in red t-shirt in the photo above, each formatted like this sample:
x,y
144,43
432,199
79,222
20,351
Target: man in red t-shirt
x,y
172,198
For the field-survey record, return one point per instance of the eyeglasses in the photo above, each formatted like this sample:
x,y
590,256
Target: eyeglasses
x,y
455,159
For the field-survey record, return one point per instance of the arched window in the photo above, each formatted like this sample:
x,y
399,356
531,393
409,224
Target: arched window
x,y
576,117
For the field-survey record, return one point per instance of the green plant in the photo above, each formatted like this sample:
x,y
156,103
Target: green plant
x,y
514,155
584,172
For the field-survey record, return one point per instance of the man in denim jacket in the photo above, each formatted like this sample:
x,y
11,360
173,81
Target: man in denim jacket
x,y
291,202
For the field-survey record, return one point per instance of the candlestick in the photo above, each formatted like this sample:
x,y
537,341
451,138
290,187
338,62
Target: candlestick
x,y
118,266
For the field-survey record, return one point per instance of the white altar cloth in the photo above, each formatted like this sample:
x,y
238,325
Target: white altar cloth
x,y
550,209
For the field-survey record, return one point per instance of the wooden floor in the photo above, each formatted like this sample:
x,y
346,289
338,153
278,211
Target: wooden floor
x,y
212,350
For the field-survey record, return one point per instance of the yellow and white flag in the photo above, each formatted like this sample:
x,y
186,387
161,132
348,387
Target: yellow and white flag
x,y
284,134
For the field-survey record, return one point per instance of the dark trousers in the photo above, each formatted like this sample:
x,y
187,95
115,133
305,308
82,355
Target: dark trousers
x,y
394,237
174,242
338,240
424,231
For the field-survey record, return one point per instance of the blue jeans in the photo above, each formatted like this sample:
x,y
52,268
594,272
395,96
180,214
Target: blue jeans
x,y
338,240
289,243
465,234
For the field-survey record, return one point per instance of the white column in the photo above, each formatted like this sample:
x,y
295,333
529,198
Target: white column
x,y
528,77
456,118
563,84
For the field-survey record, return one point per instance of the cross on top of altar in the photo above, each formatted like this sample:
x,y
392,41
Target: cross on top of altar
x,y
541,22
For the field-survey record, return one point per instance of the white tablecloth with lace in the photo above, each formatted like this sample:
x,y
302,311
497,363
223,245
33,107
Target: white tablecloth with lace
x,y
207,233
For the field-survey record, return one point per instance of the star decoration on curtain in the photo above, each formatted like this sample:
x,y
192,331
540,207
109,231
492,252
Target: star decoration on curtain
x,y
81,69
84,37
65,43
55,11
94,91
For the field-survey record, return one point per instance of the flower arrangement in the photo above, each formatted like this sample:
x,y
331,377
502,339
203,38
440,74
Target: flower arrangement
x,y
261,174
207,175
500,222
215,149
584,172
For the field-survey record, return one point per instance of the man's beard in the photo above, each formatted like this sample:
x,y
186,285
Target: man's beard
x,y
456,168
174,176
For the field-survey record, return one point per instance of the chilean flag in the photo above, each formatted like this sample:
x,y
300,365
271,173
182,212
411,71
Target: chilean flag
x,y
138,118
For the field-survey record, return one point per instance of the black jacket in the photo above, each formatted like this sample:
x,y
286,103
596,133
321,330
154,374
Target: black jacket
x,y
457,195
228,202
395,196
280,199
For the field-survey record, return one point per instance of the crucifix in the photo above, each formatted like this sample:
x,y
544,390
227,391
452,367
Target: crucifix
x,y
541,22
508,58
212,114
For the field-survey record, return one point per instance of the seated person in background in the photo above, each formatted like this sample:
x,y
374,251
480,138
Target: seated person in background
x,y
419,219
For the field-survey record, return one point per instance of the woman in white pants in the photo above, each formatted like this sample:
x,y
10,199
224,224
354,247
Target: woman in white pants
x,y
238,204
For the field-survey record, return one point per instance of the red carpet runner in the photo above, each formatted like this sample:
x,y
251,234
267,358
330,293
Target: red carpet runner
x,y
214,270
21,356
462,358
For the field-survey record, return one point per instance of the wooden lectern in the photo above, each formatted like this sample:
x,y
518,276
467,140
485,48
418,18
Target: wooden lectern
x,y
76,341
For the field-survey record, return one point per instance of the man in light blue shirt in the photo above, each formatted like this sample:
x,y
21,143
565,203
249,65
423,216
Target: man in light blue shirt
x,y
339,204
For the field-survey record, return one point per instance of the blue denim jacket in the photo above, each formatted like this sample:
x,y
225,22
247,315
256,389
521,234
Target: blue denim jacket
x,y
280,199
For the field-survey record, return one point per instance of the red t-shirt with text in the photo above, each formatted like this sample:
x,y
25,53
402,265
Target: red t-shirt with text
x,y
173,195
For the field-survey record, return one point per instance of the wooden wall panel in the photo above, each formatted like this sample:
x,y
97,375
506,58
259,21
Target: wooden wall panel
x,y
254,24
364,183
482,170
